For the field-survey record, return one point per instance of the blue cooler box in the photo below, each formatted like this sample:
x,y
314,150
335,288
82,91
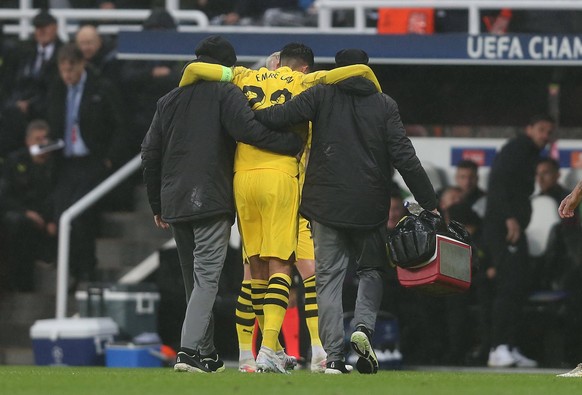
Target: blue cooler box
x,y
72,341
130,355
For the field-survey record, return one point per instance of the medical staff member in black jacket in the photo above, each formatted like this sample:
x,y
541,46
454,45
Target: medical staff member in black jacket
x,y
357,136
187,157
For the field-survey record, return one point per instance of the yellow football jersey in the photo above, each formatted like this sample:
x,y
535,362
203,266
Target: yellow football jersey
x,y
264,88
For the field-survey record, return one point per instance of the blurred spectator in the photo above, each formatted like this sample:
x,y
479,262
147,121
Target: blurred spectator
x,y
86,112
102,4
546,21
416,131
29,71
98,55
561,261
214,9
405,21
448,197
461,131
457,21
116,4
467,179
497,23
265,12
565,251
511,182
145,81
159,19
27,223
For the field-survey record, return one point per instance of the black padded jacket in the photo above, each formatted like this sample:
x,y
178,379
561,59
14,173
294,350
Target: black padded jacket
x,y
188,152
357,136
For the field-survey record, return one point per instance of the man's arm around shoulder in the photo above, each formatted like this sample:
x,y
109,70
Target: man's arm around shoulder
x,y
301,108
239,121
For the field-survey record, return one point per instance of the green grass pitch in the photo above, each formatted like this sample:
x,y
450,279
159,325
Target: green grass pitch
x,y
29,380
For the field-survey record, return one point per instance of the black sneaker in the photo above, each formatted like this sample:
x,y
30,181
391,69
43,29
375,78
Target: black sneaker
x,y
337,367
360,341
190,363
212,362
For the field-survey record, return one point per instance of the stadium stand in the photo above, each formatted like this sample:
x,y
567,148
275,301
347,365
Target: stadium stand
x,y
438,80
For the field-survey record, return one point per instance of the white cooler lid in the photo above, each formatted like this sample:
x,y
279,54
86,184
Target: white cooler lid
x,y
121,296
54,329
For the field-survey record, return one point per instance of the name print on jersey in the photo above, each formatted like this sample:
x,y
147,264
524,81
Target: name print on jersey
x,y
274,75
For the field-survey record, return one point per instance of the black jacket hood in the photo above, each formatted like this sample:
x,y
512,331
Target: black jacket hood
x,y
358,86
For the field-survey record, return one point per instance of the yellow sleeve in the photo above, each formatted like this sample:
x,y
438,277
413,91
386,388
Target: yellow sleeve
x,y
314,78
239,73
342,73
197,71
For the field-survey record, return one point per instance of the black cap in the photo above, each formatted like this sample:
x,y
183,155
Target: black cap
x,y
216,49
347,57
43,18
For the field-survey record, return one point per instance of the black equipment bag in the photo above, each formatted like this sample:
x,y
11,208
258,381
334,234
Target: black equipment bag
x,y
412,242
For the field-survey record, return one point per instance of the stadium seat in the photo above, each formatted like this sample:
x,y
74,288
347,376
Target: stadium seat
x,y
480,206
544,217
572,178
437,176
234,240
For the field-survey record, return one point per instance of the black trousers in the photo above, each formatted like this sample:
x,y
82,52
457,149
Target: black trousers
x,y
76,177
510,284
25,243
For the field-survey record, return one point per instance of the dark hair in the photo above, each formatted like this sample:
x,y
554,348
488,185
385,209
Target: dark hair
x,y
540,118
37,124
43,18
468,164
70,53
552,162
297,51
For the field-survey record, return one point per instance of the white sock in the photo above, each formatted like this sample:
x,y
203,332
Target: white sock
x,y
317,351
244,355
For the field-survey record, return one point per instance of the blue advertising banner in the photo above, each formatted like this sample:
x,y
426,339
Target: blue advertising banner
x,y
519,49
482,156
571,158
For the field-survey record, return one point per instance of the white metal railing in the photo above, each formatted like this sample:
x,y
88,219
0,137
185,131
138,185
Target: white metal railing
x,y
152,262
68,18
326,8
145,267
65,228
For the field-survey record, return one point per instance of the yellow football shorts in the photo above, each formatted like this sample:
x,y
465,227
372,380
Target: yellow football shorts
x,y
267,203
305,248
